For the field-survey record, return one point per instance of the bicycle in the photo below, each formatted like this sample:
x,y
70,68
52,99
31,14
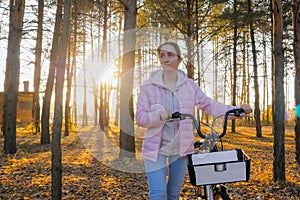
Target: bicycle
x,y
210,168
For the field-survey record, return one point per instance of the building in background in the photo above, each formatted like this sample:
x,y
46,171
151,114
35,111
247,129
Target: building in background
x,y
24,106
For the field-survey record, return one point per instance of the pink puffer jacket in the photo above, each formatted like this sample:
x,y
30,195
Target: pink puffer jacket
x,y
151,102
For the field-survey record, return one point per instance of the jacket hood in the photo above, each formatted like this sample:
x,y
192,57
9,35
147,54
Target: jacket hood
x,y
156,77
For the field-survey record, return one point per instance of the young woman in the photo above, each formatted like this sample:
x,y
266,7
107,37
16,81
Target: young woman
x,y
166,144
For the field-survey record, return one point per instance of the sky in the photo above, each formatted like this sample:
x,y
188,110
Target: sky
x,y
26,55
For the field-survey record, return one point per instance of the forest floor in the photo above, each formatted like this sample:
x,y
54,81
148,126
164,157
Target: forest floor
x,y
92,168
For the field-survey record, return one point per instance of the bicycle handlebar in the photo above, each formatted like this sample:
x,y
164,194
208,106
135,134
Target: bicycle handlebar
x,y
181,116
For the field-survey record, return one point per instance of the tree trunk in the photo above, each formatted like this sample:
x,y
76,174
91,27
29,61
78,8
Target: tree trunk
x,y
119,63
235,38
12,75
68,94
106,103
278,112
45,136
104,37
96,106
256,87
84,108
296,45
189,66
75,18
101,106
56,167
37,69
244,72
127,142
215,67
266,88
92,65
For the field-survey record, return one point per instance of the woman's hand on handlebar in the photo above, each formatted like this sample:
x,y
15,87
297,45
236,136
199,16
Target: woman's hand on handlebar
x,y
243,111
247,109
165,115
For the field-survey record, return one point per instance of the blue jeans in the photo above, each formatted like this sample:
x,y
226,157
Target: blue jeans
x,y
159,187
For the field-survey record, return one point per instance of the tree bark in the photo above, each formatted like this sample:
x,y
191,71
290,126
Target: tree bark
x,y
188,39
84,106
74,54
37,69
45,136
256,87
235,38
69,72
278,112
56,167
12,75
127,141
101,106
296,45
119,63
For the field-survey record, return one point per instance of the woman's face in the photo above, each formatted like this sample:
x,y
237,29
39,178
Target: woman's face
x,y
169,58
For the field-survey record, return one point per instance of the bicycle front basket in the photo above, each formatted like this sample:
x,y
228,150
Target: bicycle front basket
x,y
218,167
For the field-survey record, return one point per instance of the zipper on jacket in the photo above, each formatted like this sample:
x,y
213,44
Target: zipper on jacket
x,y
174,127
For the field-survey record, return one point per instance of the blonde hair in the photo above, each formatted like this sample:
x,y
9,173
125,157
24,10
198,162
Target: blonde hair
x,y
173,44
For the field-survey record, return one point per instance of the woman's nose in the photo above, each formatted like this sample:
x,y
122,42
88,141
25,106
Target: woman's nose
x,y
165,59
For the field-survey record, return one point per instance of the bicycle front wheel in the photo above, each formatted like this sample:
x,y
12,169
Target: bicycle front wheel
x,y
221,195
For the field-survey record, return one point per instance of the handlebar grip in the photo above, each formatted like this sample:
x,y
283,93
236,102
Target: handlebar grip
x,y
236,112
176,115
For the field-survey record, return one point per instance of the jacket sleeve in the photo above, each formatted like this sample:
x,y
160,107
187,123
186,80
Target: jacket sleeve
x,y
207,104
147,114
